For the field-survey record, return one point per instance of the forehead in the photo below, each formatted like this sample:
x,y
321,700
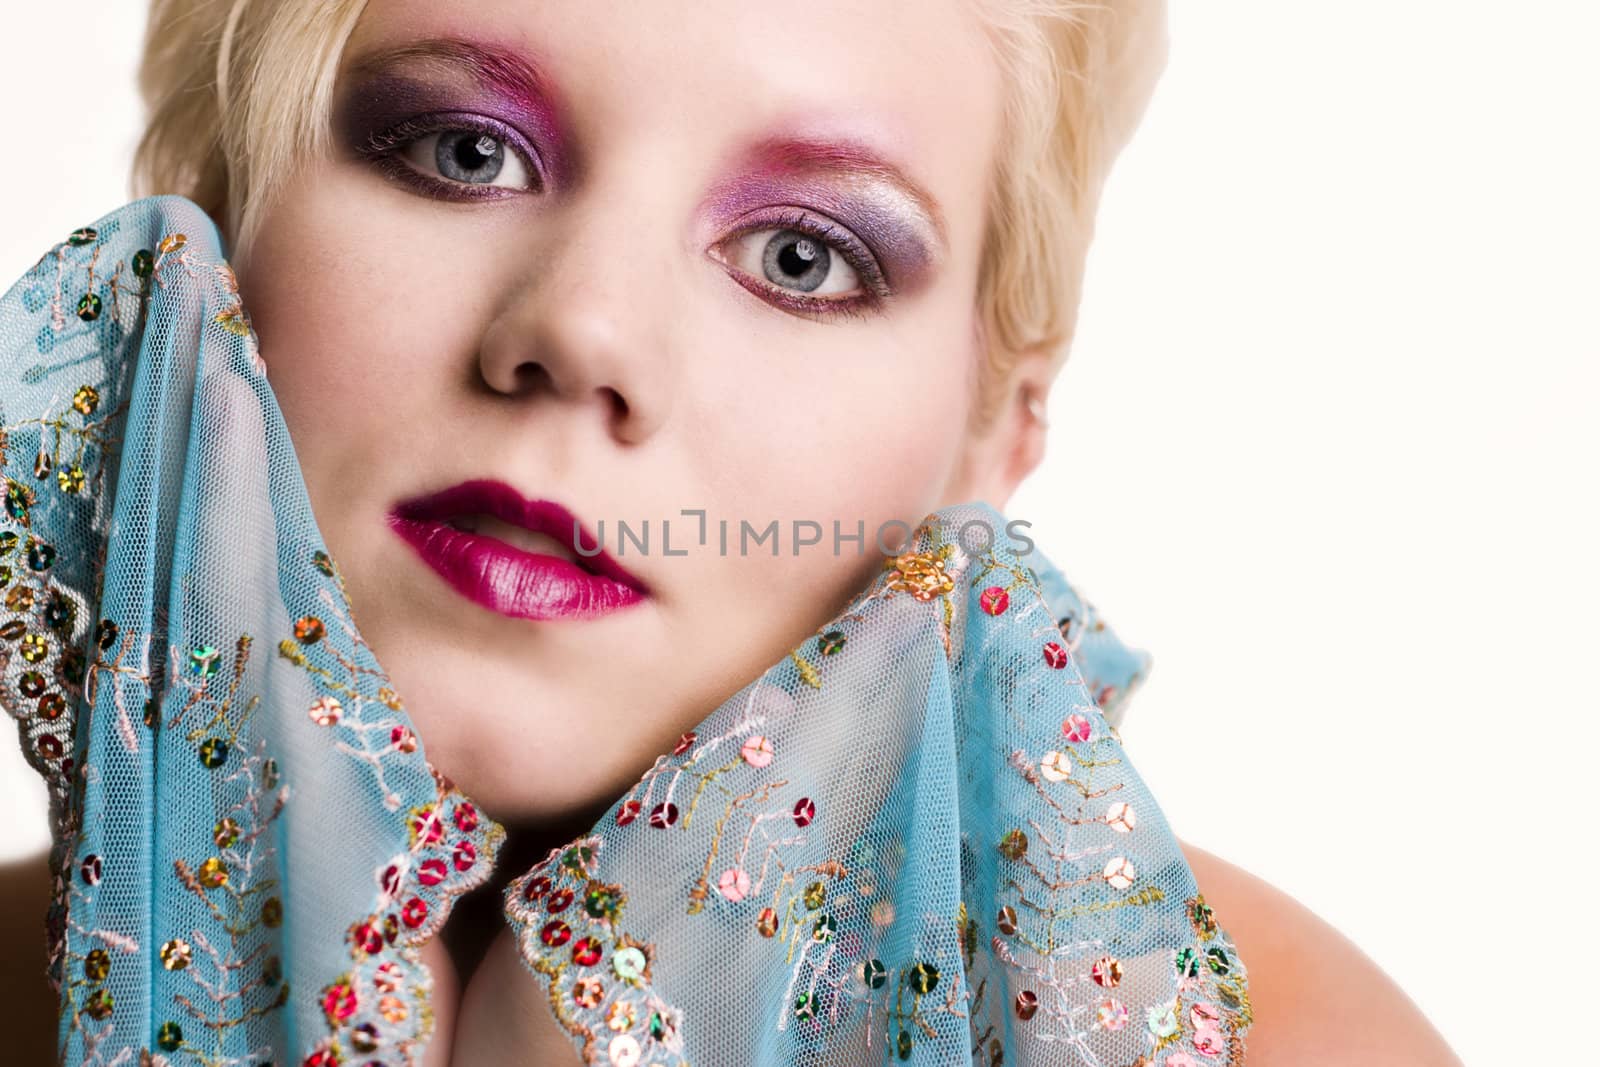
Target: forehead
x,y
913,80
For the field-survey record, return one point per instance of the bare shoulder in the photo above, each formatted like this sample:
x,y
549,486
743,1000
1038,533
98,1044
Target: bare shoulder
x,y
27,1005
1317,999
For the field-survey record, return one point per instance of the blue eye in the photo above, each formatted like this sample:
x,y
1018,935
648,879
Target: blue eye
x,y
468,156
796,260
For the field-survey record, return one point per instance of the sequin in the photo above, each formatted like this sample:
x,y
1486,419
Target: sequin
x,y
1055,766
559,900
89,306
170,1037
34,648
172,242
804,1007
1107,971
588,992
734,884
1055,655
1120,817
804,811
683,743
663,815
466,815
620,1016
213,875
824,929
96,965
339,1001
603,901
874,974
85,399
1027,1004
902,1045
767,922
1162,1019
629,963
1014,845
815,895
176,954
71,479
308,630
757,751
1209,1042
628,812
1076,728
405,740
203,661
364,1038
1217,960
90,870
586,952
213,752
923,977
415,912
325,711
1111,1014
623,1050
81,236
1118,872
921,574
99,1005
994,600
144,264
832,642
555,933
1006,921
535,888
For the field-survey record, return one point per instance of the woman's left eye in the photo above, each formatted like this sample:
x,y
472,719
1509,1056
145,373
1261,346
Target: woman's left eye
x,y
794,260
469,157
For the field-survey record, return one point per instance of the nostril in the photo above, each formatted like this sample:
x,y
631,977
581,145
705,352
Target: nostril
x,y
533,377
619,403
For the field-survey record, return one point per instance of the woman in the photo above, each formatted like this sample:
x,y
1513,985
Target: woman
x,y
604,264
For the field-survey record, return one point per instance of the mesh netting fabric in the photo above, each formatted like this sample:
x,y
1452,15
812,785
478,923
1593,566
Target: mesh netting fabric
x,y
915,838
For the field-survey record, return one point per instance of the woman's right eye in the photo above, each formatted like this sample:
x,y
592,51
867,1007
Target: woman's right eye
x,y
468,157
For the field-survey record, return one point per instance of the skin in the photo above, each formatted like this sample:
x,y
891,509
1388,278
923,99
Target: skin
x,y
603,337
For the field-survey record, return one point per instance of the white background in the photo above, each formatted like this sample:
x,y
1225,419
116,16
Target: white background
x,y
1325,446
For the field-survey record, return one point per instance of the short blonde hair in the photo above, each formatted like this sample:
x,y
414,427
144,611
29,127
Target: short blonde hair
x,y
238,90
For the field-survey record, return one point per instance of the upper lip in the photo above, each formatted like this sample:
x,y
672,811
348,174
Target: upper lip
x,y
488,496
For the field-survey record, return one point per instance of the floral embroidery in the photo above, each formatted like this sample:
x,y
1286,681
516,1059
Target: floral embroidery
x,y
169,935
569,927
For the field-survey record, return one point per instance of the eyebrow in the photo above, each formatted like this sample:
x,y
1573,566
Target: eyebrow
x,y
495,65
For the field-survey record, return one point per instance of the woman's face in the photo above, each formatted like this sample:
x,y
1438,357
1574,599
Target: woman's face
x,y
634,259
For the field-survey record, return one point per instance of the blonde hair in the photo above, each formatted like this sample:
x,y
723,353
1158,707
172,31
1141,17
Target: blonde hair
x,y
238,90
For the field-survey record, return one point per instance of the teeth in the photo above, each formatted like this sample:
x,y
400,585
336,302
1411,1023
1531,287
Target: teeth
x,y
515,536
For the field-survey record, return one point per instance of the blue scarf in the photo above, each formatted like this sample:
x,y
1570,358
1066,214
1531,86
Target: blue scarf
x,y
915,838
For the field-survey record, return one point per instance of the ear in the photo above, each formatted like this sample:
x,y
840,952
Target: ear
x,y
1010,448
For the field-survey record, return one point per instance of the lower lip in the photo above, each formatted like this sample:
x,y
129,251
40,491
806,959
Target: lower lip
x,y
523,585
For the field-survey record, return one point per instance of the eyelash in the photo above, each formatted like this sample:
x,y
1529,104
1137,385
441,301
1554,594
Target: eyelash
x,y
861,260
384,151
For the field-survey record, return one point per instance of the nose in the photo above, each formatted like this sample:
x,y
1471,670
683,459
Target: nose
x,y
585,326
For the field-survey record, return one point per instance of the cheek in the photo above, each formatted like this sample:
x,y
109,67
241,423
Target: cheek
x,y
361,330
